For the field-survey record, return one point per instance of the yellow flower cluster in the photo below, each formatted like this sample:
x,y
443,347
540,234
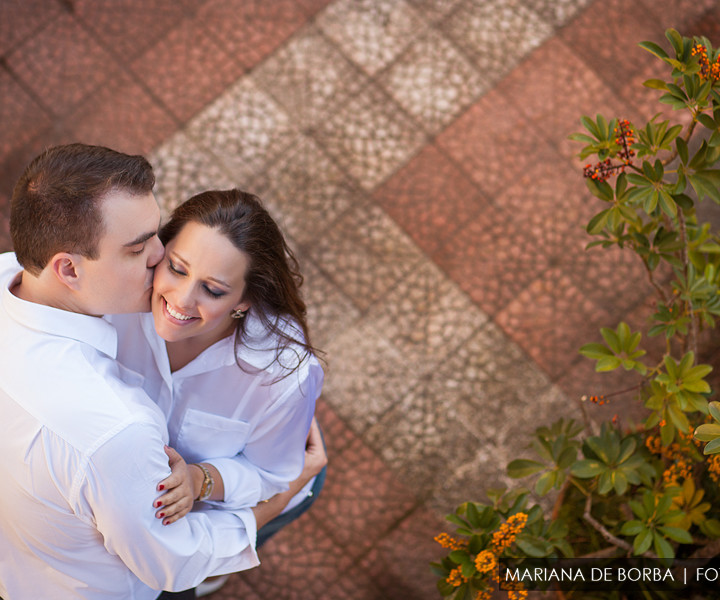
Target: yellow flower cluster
x,y
508,531
447,541
707,70
485,561
456,578
484,595
517,594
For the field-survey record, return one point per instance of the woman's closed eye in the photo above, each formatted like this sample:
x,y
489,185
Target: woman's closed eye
x,y
174,269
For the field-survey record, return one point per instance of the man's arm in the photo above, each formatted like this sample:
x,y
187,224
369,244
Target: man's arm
x,y
117,494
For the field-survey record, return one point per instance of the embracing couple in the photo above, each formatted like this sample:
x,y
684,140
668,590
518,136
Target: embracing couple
x,y
115,421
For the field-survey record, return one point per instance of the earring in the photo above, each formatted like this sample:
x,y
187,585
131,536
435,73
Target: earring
x,y
238,314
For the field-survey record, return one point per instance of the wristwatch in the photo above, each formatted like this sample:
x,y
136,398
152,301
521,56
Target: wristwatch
x,y
207,485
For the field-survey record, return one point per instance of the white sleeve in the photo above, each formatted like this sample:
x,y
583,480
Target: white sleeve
x,y
118,491
275,453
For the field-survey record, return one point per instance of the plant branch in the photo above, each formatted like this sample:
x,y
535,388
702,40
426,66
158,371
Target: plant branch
x,y
691,341
651,279
597,526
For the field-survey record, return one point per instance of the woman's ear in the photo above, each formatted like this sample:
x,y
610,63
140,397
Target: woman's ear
x,y
65,267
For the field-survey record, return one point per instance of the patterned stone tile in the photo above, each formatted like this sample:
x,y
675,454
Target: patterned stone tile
x,y
311,7
433,81
613,278
127,28
493,141
496,34
20,19
244,141
427,317
121,115
330,312
554,94
356,585
336,433
249,30
494,258
433,10
371,32
63,65
307,191
557,12
365,254
361,500
365,376
562,318
370,137
430,198
299,563
424,436
19,108
687,16
236,587
182,170
309,77
606,35
399,564
186,69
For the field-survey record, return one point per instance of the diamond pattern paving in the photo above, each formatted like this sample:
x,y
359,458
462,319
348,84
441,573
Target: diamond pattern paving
x,y
416,154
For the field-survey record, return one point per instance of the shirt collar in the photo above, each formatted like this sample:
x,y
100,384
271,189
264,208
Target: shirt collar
x,y
62,323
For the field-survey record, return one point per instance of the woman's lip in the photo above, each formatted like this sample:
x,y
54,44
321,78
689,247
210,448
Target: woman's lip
x,y
175,319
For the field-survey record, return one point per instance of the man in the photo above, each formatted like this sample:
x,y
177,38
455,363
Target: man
x,y
82,452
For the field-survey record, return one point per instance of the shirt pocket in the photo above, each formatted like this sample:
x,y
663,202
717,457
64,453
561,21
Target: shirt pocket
x,y
204,435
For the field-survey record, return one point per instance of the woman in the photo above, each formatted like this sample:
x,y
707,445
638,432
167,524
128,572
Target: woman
x,y
227,356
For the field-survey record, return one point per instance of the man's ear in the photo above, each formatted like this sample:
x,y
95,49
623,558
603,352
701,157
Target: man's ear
x,y
67,269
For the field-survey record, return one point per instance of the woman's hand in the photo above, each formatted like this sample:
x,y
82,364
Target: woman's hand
x,y
180,496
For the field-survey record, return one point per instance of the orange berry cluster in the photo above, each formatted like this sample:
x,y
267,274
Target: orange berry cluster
x,y
485,561
681,464
447,541
707,70
625,137
508,531
714,467
456,578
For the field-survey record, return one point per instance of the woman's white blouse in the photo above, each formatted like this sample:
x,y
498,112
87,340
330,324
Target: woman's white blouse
x,y
250,423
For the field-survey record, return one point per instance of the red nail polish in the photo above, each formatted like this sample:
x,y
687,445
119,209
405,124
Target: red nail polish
x,y
161,487
161,515
157,504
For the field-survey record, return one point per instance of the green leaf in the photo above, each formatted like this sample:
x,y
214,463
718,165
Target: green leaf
x,y
656,84
654,49
595,351
633,527
682,149
712,447
545,483
523,467
642,542
676,534
662,547
586,468
533,547
714,408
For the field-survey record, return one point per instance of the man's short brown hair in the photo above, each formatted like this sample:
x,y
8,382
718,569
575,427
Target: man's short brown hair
x,y
56,202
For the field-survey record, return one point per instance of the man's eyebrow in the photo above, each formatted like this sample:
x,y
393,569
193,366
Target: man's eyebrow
x,y
141,239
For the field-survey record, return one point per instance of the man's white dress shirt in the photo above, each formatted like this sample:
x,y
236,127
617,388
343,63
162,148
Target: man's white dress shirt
x,y
81,456
251,423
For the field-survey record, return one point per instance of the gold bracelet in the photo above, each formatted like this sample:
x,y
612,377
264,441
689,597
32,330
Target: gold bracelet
x,y
207,485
